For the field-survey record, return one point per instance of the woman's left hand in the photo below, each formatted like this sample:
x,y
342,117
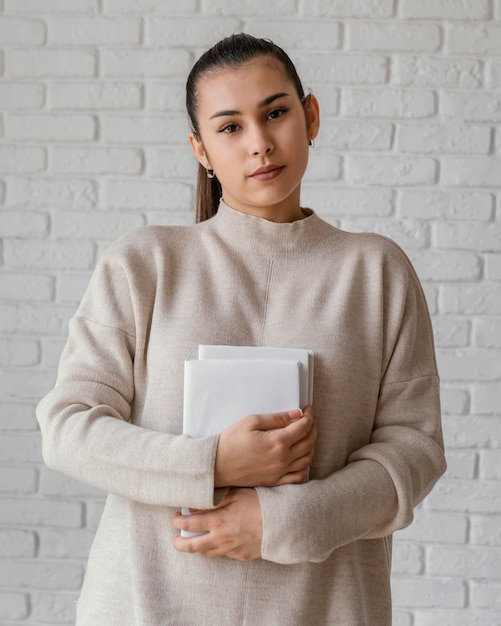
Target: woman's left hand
x,y
234,529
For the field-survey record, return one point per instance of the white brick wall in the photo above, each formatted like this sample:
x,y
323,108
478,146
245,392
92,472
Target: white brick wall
x,y
93,144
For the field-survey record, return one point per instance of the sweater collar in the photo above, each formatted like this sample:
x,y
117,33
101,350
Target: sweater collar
x,y
256,235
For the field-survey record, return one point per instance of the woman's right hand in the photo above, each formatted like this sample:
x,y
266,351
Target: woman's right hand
x,y
266,450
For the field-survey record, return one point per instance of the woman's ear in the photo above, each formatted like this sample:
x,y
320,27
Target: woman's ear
x,y
312,113
198,149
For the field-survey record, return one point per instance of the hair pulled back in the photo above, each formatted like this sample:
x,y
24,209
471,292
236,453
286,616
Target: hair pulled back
x,y
232,51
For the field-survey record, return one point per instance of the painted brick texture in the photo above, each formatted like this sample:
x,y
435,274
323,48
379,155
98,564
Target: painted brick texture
x,y
93,144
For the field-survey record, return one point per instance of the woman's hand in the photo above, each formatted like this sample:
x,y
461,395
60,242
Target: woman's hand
x,y
234,529
266,450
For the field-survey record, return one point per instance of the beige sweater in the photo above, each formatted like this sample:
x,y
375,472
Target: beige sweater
x,y
114,419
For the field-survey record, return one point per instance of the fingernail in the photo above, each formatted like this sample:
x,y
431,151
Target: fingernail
x,y
296,414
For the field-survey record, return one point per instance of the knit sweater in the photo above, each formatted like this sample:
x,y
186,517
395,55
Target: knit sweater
x,y
114,419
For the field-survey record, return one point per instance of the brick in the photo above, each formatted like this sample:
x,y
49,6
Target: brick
x,y
493,266
95,225
19,352
62,543
429,593
454,401
93,513
22,159
349,69
54,608
35,63
356,135
17,30
431,527
324,165
486,399
21,96
461,464
45,127
490,466
47,512
150,6
439,265
14,383
471,171
474,39
425,71
42,575
59,485
486,530
173,63
352,202
93,31
14,605
409,235
28,287
23,224
390,170
17,543
473,431
19,448
493,74
469,236
393,36
468,562
328,97
445,9
71,286
471,107
53,193
471,365
348,8
166,96
171,219
447,204
200,31
98,161
16,416
466,496
498,8
147,195
486,594
19,480
249,7
407,559
488,333
388,103
482,299
52,352
170,163
443,139
293,36
23,254
51,6
449,333
146,129
34,319
96,96
462,617
401,618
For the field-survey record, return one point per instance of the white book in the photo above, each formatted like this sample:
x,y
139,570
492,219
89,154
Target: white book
x,y
299,355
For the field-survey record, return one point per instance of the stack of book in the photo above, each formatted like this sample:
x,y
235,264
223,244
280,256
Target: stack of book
x,y
227,383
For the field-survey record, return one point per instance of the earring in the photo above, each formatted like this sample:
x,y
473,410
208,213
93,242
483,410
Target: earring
x,y
210,173
311,143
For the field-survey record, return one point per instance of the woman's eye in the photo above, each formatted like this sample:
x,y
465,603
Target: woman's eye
x,y
276,113
229,128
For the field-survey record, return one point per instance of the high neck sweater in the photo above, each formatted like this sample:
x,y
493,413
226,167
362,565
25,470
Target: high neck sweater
x,y
114,419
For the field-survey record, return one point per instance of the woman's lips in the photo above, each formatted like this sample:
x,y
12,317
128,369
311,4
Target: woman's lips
x,y
269,172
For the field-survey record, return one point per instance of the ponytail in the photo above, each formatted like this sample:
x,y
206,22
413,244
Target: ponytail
x,y
209,194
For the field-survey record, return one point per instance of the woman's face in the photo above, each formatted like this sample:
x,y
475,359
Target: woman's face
x,y
254,133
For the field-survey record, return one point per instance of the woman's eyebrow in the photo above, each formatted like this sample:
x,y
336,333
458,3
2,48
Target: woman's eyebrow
x,y
263,103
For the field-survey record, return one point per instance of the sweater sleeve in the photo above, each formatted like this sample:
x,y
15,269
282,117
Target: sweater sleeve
x,y
375,493
86,419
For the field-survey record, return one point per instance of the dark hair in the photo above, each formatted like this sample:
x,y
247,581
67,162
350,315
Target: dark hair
x,y
229,52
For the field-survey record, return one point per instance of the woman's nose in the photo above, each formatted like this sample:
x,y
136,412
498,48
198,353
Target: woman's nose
x,y
260,143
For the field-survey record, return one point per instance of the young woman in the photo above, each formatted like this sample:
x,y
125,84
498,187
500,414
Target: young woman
x,y
258,269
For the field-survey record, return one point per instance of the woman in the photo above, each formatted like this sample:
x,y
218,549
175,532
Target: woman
x,y
256,270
